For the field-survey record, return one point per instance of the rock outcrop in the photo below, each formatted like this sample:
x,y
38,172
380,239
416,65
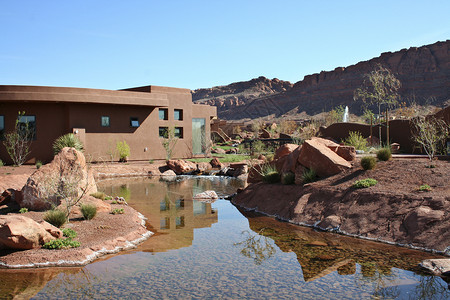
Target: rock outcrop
x,y
423,72
21,233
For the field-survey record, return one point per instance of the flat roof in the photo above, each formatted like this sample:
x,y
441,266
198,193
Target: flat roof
x,y
32,94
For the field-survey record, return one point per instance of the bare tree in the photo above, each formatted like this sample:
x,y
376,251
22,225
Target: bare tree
x,y
429,133
169,142
18,141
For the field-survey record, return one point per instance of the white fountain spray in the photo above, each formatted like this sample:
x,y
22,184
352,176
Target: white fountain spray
x,y
345,116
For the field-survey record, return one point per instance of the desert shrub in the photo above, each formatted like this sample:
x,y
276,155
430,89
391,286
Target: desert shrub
x,y
99,195
67,140
356,140
368,162
108,198
69,232
270,174
118,211
309,176
384,154
288,178
61,244
1,163
424,188
23,210
151,161
123,150
364,183
38,164
258,147
55,217
89,211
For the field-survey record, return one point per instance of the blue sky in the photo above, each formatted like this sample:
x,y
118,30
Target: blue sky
x,y
195,44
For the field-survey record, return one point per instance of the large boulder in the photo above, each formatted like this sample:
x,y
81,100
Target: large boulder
x,y
22,233
53,230
204,167
289,162
181,166
215,163
421,217
317,156
66,175
330,144
346,152
284,150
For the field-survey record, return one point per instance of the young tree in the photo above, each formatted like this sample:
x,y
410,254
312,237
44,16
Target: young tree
x,y
169,141
429,133
379,88
18,141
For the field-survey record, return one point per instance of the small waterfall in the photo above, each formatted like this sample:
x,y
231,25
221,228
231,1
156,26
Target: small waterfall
x,y
345,116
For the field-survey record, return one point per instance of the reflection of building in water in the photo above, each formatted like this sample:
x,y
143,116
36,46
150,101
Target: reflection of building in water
x,y
172,215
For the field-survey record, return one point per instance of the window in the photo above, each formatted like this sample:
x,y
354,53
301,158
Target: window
x,y
179,222
163,132
27,127
178,132
2,127
105,121
134,122
163,114
164,223
178,114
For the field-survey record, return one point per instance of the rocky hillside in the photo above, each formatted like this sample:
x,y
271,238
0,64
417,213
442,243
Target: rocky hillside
x,y
423,71
239,93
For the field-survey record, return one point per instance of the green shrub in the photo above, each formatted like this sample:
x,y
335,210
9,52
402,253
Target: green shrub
x,y
114,202
270,174
151,161
288,178
69,232
38,164
99,195
23,210
108,198
117,211
309,176
384,154
67,140
89,211
364,183
55,217
124,150
61,244
424,188
356,140
1,163
368,162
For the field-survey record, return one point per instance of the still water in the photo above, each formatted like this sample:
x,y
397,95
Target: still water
x,y
214,251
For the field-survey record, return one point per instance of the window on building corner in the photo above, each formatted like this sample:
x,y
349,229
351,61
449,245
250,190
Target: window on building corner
x,y
178,132
134,122
163,132
2,127
178,114
105,121
27,127
163,114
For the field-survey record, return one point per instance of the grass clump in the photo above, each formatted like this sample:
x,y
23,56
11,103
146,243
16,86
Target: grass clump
x,y
61,244
1,163
108,198
384,154
356,140
270,174
309,176
288,178
364,183
118,211
67,140
55,217
368,162
89,211
38,164
23,210
424,188
69,232
99,195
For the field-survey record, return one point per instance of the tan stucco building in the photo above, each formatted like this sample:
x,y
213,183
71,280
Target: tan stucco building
x,y
101,118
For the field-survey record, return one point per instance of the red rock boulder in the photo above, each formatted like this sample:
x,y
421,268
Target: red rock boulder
x,y
181,166
315,155
346,152
284,150
215,163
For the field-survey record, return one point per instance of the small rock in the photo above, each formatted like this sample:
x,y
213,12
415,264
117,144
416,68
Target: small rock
x,y
207,195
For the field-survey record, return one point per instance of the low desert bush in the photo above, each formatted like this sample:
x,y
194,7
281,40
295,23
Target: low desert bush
x,y
23,210
118,211
1,163
108,198
38,164
356,140
309,176
61,244
364,183
288,178
99,195
270,174
55,217
384,154
424,188
67,140
368,162
124,151
89,211
69,232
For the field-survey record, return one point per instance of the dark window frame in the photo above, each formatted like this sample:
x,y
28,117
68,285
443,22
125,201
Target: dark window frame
x,y
34,134
134,119
180,114
162,132
2,128
109,121
166,114
180,134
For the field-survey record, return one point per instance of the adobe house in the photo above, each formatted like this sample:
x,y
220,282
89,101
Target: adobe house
x,y
101,118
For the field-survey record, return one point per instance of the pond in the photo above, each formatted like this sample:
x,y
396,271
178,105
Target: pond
x,y
213,250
